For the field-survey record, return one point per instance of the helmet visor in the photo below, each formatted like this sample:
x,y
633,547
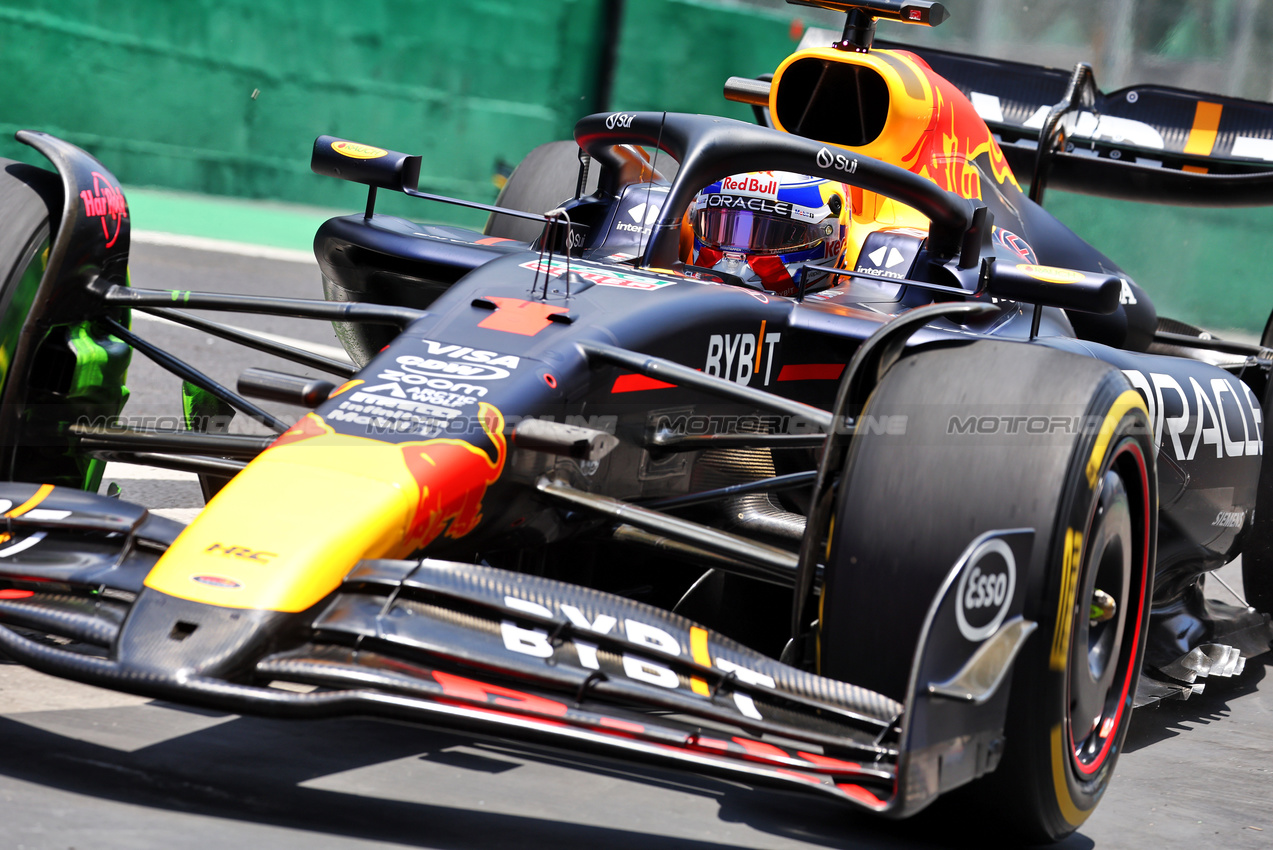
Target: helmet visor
x,y
747,232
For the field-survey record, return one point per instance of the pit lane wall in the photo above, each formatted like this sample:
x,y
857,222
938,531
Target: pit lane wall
x,y
225,99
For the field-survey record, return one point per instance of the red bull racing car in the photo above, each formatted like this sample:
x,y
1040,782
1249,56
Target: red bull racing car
x,y
813,453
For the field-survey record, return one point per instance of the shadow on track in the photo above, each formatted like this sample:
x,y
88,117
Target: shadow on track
x,y
255,770
1170,718
281,774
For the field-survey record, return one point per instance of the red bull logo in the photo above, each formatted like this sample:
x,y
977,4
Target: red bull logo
x,y
752,184
954,138
453,476
309,425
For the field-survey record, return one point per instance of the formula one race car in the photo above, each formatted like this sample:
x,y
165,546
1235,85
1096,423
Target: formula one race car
x,y
930,509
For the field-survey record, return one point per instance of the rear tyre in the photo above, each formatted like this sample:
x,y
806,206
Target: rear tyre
x,y
546,178
1257,555
913,501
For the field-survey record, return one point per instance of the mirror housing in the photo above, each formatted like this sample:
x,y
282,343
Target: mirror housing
x,y
1052,286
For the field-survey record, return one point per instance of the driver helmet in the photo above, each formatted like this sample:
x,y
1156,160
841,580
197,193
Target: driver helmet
x,y
757,226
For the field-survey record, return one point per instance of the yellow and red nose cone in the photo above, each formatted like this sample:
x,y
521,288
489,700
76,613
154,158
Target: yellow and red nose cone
x,y
285,531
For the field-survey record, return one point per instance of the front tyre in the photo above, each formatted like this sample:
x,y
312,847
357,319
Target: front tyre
x,y
53,371
1000,436
30,203
544,180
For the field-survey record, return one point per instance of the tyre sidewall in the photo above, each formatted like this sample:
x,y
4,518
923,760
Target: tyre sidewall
x,y
30,198
1059,796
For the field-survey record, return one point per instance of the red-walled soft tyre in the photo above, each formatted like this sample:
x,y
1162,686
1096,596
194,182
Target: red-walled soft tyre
x,y
1073,689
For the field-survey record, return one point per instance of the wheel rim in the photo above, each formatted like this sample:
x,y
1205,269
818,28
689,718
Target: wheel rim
x,y
1105,643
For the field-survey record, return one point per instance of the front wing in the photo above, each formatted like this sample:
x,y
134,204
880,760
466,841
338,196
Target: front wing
x,y
492,652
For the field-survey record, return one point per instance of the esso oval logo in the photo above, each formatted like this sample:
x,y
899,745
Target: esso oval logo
x,y
218,581
985,590
619,120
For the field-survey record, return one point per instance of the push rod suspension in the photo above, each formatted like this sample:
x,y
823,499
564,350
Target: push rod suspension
x,y
187,372
256,341
297,308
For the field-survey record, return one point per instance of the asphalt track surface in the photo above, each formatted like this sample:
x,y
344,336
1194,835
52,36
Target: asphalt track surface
x,y
86,768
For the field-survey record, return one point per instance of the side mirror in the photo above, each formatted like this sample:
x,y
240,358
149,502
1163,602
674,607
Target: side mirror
x,y
1052,286
359,163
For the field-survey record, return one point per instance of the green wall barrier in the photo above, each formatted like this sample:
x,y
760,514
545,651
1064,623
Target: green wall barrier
x,y
675,55
1207,267
226,98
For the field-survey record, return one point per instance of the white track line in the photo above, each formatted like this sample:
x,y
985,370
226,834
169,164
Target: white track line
x,y
224,246
126,472
133,472
329,351
183,515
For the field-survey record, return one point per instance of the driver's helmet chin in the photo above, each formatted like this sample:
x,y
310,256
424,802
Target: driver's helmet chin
x,y
758,226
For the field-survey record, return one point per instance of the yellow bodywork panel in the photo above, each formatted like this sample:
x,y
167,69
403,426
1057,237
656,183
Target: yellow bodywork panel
x,y
285,531
288,528
930,129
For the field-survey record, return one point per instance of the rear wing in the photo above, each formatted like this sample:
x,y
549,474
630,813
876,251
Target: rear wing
x,y
1144,143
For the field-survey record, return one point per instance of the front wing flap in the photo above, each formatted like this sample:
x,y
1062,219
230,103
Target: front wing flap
x,y
605,671
488,651
71,563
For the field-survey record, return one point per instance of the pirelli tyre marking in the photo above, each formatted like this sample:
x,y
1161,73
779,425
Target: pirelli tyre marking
x,y
1080,747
